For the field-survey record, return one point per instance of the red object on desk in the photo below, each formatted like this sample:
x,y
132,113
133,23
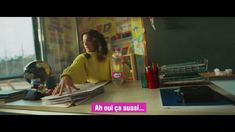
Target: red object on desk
x,y
156,75
150,79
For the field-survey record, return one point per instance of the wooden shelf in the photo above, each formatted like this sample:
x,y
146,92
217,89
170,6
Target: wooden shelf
x,y
132,64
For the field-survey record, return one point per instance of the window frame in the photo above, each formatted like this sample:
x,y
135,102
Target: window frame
x,y
37,48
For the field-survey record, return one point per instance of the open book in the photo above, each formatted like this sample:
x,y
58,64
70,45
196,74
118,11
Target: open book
x,y
87,91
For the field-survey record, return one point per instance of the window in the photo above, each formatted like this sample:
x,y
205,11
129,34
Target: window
x,y
17,46
60,42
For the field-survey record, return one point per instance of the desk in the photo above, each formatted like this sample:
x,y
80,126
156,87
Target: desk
x,y
212,76
130,91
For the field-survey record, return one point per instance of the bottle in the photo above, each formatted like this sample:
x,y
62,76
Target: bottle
x,y
117,67
150,78
156,77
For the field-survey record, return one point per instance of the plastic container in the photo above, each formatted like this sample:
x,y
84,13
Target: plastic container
x,y
117,67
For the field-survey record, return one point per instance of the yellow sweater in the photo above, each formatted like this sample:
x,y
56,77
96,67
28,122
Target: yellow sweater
x,y
84,70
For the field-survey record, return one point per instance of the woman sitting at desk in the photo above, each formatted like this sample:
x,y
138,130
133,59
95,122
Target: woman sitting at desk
x,y
92,66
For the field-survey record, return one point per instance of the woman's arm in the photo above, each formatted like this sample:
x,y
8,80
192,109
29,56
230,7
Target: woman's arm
x,y
77,70
75,73
65,82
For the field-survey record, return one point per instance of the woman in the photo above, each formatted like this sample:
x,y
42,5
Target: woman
x,y
92,66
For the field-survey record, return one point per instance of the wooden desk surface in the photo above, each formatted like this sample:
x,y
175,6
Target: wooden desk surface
x,y
131,91
212,76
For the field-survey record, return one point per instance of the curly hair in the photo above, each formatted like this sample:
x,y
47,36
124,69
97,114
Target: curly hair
x,y
99,42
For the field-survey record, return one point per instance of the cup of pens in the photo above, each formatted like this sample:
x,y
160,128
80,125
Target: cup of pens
x,y
151,77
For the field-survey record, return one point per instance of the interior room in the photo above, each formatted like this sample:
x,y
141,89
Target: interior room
x,y
117,65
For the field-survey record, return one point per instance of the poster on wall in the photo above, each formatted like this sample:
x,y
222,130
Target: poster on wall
x,y
136,26
138,39
138,45
61,42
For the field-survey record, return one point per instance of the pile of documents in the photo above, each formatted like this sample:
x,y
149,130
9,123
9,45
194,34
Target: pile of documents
x,y
87,91
11,95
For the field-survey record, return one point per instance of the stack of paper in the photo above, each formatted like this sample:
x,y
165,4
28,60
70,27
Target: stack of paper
x,y
87,91
11,95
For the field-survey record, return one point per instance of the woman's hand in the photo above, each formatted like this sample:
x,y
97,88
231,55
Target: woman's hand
x,y
65,82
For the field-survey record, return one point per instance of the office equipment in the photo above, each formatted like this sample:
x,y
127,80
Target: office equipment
x,y
184,73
